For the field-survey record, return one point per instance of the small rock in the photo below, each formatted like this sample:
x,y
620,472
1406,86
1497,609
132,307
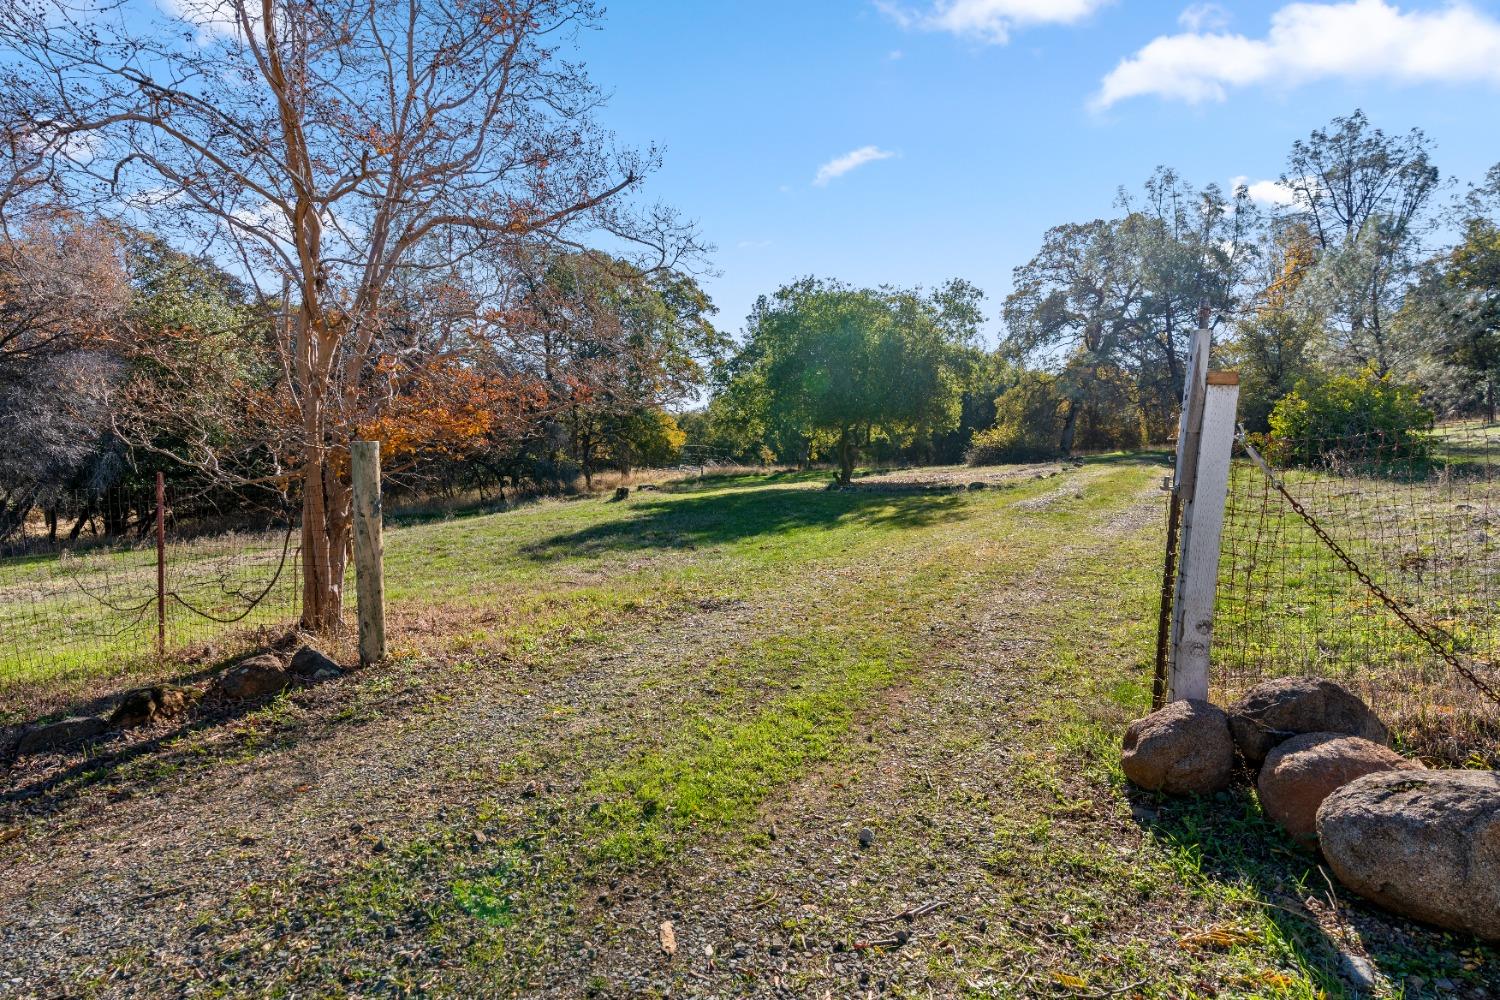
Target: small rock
x,y
1301,772
866,837
1183,749
1358,971
63,733
667,935
1283,707
135,709
253,678
308,663
1424,844
171,700
140,707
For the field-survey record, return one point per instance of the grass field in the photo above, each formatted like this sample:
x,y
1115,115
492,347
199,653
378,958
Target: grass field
x,y
1425,533
774,717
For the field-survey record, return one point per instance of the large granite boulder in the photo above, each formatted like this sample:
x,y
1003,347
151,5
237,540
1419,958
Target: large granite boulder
x,y
1283,707
1425,844
1183,749
1301,772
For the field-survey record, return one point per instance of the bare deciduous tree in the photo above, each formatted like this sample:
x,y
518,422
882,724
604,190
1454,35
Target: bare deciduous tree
x,y
324,148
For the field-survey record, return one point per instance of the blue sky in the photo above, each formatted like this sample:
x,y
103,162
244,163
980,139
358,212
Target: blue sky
x,y
984,122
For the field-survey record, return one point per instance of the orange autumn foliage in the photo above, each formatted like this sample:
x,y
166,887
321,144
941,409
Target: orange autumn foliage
x,y
448,409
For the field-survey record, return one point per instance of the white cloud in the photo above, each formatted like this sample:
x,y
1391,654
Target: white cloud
x,y
841,165
753,244
989,20
1357,39
1204,17
214,19
1272,194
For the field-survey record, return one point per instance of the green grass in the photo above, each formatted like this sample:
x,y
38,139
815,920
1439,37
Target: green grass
x,y
692,666
1289,605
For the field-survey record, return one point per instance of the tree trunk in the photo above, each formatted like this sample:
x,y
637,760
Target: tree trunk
x,y
1070,428
846,458
1489,400
326,500
88,513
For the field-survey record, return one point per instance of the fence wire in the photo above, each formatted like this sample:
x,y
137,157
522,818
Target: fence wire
x,y
1420,516
78,584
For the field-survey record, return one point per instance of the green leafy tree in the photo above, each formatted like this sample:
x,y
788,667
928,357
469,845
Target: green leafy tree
x,y
1124,294
1363,197
1470,327
837,366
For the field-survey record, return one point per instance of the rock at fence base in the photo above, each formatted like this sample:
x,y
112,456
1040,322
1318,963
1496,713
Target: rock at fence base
x,y
1301,772
135,709
312,665
1183,749
60,734
1278,709
172,700
253,678
1424,844
139,707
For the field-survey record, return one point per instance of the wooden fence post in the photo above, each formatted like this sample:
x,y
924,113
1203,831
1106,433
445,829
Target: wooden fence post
x,y
1202,527
369,550
1188,421
161,568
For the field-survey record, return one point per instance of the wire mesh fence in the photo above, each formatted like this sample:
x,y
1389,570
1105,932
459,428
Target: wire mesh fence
x,y
79,583
1417,514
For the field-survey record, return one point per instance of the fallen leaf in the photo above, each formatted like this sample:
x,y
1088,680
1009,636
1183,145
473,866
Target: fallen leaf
x,y
1070,981
6,836
668,935
1217,936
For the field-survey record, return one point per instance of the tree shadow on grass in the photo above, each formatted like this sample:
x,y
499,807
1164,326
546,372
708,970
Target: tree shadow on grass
x,y
1227,841
688,522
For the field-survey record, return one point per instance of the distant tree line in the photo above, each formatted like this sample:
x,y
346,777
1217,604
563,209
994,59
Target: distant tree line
x,y
121,356
1329,301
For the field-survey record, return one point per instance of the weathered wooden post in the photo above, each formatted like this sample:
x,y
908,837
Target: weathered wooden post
x,y
369,549
161,567
1188,421
1210,450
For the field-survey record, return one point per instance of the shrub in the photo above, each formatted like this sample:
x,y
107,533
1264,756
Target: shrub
x,y
1349,416
1029,418
1028,424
